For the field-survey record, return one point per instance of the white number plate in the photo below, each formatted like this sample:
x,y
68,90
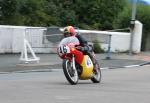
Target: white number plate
x,y
64,49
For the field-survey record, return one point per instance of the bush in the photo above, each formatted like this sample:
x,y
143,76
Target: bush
x,y
97,47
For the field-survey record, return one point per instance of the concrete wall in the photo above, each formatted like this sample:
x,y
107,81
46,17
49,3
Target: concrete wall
x,y
120,42
11,39
137,37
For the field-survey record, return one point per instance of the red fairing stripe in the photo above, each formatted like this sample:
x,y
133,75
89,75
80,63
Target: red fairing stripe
x,y
78,55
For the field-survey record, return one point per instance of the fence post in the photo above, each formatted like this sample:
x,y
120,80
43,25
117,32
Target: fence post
x,y
108,57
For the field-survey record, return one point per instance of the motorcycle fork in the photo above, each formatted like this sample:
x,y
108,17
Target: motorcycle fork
x,y
73,64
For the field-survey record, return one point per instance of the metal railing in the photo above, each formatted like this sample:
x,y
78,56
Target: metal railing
x,y
50,37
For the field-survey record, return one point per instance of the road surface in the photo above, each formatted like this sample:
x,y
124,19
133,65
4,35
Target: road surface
x,y
124,85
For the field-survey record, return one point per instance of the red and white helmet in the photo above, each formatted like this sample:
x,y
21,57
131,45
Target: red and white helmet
x,y
69,31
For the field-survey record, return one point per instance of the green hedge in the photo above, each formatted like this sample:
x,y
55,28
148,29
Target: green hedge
x,y
97,47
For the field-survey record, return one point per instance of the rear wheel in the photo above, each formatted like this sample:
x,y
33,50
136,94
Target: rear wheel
x,y
97,73
70,74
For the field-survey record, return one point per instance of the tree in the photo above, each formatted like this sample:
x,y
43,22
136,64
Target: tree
x,y
52,11
99,14
86,14
67,13
8,9
32,12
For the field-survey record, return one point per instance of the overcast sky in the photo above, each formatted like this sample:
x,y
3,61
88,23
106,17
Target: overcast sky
x,y
148,1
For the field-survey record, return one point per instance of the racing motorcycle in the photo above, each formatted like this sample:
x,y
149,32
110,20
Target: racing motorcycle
x,y
77,65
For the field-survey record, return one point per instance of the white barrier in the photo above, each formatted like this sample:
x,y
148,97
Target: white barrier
x,y
120,41
24,53
137,38
11,39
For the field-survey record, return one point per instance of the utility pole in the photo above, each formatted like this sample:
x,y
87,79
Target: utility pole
x,y
132,24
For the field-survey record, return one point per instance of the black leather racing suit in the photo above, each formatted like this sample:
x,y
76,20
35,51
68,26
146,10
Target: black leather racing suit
x,y
85,48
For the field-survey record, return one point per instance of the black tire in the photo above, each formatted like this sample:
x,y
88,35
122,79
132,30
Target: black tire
x,y
97,74
70,74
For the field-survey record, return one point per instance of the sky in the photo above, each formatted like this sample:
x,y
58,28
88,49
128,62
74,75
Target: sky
x,y
148,1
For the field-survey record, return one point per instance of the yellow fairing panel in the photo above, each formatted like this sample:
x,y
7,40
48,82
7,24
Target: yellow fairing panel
x,y
87,66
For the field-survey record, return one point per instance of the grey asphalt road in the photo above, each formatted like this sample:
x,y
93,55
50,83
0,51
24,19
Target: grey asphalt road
x,y
128,85
11,63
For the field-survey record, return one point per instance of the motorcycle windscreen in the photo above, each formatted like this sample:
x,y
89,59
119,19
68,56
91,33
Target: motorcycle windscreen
x,y
70,41
87,66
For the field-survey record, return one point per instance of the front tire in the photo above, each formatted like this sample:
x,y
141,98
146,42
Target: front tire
x,y
70,74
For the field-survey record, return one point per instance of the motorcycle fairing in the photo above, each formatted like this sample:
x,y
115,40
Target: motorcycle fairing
x,y
87,67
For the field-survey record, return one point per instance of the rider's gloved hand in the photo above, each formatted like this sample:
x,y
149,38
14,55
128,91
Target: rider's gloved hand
x,y
84,49
79,48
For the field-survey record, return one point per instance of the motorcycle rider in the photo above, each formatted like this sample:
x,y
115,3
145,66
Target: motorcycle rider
x,y
84,47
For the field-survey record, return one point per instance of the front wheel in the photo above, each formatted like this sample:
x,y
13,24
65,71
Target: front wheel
x,y
70,74
97,73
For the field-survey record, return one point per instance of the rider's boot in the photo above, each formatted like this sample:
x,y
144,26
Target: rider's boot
x,y
92,56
